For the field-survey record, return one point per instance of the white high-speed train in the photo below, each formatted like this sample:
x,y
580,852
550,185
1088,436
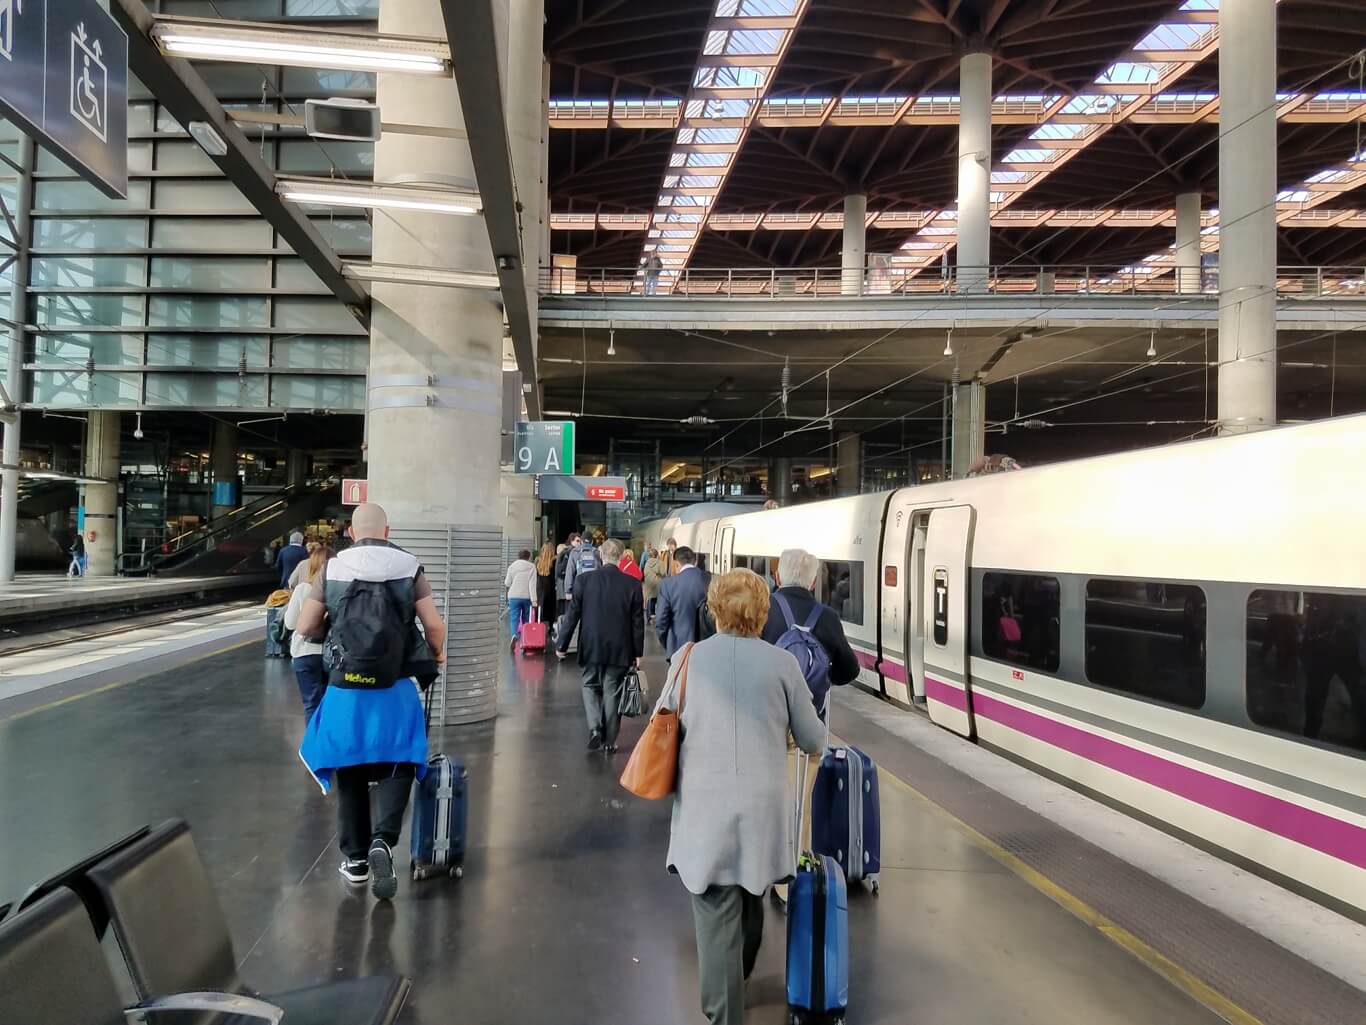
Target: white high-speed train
x,y
1181,630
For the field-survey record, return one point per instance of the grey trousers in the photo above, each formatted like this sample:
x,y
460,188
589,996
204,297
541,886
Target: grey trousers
x,y
602,687
730,928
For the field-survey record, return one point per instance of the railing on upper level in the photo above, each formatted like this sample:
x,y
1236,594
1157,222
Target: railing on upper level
x,y
1012,279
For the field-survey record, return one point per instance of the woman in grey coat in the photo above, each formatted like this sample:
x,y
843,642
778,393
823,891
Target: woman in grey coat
x,y
731,836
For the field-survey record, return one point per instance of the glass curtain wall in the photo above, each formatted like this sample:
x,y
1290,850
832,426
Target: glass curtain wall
x,y
182,296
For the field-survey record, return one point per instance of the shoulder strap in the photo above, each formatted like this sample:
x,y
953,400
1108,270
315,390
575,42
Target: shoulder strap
x,y
683,677
815,617
785,609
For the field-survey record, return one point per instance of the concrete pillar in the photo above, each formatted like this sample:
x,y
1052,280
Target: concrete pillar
x,y
1247,215
852,256
101,501
780,480
1188,243
543,260
849,465
526,130
969,426
14,369
436,382
974,172
296,467
227,485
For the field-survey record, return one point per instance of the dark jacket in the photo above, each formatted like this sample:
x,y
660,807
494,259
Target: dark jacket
x,y
844,667
676,613
290,556
612,611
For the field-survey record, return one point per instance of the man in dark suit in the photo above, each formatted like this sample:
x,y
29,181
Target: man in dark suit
x,y
680,596
612,611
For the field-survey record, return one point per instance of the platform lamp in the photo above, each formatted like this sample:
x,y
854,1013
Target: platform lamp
x,y
948,343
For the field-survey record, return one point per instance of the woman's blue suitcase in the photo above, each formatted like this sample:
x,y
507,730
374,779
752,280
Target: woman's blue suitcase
x,y
847,827
440,811
817,943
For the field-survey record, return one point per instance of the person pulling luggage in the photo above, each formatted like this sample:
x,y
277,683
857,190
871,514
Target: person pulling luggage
x,y
370,727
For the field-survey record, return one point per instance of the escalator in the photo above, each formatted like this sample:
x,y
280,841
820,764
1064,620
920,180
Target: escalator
x,y
235,544
39,498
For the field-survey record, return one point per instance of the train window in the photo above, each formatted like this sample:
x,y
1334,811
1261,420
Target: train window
x,y
841,587
1147,638
1020,615
1306,665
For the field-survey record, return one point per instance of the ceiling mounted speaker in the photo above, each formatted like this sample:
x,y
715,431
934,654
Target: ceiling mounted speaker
x,y
337,118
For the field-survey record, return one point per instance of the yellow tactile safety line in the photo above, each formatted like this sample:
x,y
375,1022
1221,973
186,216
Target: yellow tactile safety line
x,y
123,683
1190,984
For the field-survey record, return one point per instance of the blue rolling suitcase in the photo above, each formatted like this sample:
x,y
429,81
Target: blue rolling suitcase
x,y
440,811
817,943
846,822
440,814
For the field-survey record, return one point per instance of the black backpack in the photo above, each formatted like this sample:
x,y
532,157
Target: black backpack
x,y
368,639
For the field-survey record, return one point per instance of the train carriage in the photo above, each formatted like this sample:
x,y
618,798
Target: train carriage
x,y
1180,631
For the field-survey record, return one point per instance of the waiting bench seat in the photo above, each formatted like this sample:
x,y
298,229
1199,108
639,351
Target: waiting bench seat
x,y
155,894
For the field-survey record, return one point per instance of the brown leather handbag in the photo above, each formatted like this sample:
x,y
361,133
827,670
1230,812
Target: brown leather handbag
x,y
652,770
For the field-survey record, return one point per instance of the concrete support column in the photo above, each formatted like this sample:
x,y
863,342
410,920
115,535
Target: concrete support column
x,y
526,130
227,485
101,501
14,370
969,426
974,172
853,258
780,480
849,465
1247,215
1188,243
296,467
436,381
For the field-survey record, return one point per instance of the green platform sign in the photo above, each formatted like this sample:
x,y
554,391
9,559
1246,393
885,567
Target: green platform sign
x,y
544,446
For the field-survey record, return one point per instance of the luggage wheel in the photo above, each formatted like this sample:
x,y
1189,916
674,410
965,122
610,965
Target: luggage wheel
x,y
457,872
872,885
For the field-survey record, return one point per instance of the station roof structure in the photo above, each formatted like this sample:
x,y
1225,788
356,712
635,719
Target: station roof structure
x,y
737,127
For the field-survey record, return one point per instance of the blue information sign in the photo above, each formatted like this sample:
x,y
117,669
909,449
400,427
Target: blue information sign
x,y
64,80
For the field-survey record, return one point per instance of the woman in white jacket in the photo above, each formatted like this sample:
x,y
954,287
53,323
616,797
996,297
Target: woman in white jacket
x,y
307,654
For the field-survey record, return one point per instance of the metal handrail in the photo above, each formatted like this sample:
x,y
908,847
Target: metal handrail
x,y
893,275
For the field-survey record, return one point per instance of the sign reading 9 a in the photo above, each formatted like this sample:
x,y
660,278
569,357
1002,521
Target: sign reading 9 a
x,y
544,446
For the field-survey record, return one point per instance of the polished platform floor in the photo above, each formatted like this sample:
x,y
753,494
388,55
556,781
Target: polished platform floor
x,y
565,913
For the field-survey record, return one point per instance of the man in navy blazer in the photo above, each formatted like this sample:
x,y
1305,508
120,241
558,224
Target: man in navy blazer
x,y
680,596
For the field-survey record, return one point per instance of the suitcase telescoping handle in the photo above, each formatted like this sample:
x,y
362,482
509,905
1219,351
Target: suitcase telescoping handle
x,y
802,765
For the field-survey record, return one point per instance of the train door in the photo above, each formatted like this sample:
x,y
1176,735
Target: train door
x,y
945,596
725,551
897,601
915,617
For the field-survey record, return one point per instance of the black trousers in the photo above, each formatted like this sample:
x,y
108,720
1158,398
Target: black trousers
x,y
394,785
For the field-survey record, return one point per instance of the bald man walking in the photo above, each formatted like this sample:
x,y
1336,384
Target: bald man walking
x,y
370,726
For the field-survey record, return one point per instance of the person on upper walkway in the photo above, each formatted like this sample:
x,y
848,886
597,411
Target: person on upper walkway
x,y
520,581
290,556
680,596
609,604
306,652
797,574
731,833
370,726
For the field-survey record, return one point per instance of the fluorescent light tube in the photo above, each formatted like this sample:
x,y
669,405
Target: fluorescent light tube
x,y
331,192
259,43
403,274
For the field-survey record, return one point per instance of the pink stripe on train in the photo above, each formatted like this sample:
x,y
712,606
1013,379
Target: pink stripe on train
x,y
1312,829
892,670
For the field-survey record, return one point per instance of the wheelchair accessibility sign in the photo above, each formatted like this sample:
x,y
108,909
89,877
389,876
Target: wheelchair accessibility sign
x,y
64,81
89,83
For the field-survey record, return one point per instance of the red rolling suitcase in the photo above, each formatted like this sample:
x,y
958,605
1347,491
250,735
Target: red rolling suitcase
x,y
532,635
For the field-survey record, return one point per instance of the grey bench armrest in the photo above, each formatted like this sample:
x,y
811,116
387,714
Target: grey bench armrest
x,y
219,1003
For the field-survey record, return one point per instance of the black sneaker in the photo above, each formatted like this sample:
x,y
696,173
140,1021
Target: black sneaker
x,y
385,883
355,871
595,741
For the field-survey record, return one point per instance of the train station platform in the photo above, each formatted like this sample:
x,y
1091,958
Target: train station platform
x,y
39,596
1005,898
